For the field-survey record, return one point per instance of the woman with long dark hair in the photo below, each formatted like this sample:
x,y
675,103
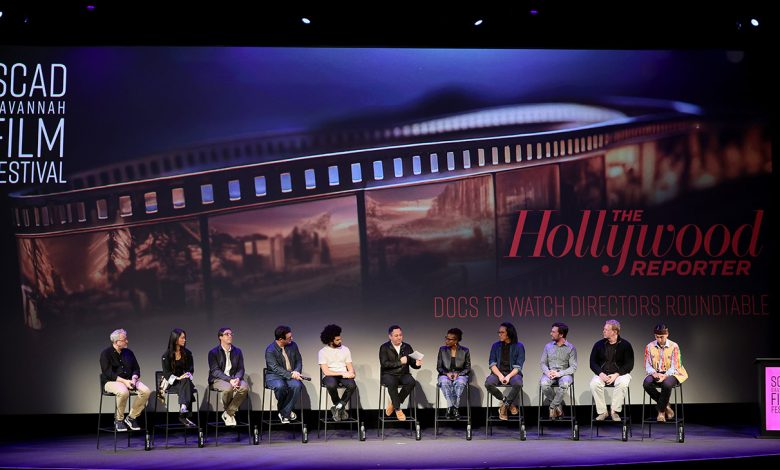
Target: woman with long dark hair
x,y
178,367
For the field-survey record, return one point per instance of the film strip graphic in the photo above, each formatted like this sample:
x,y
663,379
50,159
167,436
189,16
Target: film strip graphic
x,y
453,147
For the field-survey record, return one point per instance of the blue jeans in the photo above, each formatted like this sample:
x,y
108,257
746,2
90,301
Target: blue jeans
x,y
453,389
287,393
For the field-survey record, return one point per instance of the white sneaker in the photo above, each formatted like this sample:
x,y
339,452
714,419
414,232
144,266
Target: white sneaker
x,y
293,416
229,420
283,419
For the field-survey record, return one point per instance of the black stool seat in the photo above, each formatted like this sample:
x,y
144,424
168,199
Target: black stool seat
x,y
177,425
679,413
570,419
491,418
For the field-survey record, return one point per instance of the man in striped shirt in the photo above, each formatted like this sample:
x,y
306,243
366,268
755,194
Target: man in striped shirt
x,y
558,363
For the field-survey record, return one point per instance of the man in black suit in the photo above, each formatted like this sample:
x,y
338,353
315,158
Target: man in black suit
x,y
394,360
226,374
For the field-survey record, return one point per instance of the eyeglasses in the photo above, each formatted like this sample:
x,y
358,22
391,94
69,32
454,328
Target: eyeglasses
x,y
227,333
447,338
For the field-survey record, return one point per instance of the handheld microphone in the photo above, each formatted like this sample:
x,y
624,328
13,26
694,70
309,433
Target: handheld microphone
x,y
303,377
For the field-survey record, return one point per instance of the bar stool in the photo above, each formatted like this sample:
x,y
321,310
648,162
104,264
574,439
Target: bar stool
x,y
679,414
112,429
571,418
322,414
411,411
271,421
625,420
436,413
493,418
217,424
201,439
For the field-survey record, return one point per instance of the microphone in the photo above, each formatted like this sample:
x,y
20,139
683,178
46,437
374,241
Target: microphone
x,y
303,377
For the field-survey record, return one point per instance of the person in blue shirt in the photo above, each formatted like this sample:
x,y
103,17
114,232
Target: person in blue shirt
x,y
507,356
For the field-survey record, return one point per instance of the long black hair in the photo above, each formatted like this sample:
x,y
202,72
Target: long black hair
x,y
511,332
172,340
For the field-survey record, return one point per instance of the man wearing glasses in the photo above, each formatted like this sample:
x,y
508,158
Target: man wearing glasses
x,y
119,374
226,374
284,363
507,356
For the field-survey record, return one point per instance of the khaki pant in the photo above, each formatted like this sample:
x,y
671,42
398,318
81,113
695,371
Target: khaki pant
x,y
123,394
231,399
597,389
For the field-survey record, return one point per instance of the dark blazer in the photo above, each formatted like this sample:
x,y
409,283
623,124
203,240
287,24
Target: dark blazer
x,y
390,361
217,361
274,361
114,364
624,356
187,366
462,361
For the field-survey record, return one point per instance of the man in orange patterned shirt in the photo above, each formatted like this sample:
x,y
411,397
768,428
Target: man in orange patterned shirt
x,y
663,364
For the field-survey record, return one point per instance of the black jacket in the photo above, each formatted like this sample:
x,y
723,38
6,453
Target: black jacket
x,y
390,361
187,364
624,356
462,361
217,361
114,364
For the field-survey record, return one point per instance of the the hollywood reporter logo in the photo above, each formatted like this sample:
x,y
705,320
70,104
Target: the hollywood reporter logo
x,y
620,237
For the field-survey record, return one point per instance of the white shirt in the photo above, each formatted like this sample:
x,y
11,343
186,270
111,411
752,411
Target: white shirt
x,y
228,365
335,358
397,348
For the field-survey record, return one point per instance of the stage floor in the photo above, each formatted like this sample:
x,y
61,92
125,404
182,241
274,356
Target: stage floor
x,y
399,450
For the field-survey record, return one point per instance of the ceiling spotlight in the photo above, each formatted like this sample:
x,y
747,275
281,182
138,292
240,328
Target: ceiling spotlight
x,y
1,14
478,22
90,7
306,20
534,12
754,22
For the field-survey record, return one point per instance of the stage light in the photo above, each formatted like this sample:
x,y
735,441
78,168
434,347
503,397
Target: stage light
x,y
534,12
90,7
478,22
1,14
754,22
306,20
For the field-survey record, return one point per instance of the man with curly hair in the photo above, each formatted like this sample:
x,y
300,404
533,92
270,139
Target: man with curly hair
x,y
335,360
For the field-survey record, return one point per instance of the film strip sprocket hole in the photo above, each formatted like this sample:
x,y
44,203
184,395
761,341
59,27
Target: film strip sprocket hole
x,y
322,175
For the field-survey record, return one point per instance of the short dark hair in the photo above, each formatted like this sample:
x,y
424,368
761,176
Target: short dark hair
x,y
223,330
563,328
281,332
661,329
393,327
456,332
329,333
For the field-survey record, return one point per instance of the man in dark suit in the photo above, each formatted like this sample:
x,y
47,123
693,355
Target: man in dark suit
x,y
226,374
284,363
395,362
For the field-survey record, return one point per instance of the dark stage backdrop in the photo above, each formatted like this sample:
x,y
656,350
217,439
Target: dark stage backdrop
x,y
668,227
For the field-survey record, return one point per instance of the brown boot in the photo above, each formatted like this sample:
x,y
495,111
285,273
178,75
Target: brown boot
x,y
400,415
513,409
389,409
502,412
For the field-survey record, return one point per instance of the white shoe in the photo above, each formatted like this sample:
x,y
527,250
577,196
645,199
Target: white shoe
x,y
229,420
283,419
293,416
